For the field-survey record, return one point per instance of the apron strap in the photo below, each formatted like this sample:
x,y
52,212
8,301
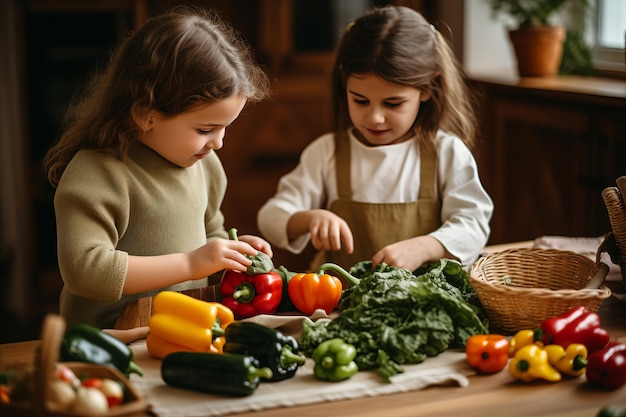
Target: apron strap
x,y
428,163
342,165
428,169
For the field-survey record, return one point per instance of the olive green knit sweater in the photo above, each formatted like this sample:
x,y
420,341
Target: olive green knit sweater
x,y
107,209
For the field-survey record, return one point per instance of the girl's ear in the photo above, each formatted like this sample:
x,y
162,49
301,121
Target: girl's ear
x,y
424,96
142,117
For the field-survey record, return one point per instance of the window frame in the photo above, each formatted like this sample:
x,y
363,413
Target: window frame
x,y
604,58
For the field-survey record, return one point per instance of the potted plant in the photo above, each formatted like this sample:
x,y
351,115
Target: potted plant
x,y
537,39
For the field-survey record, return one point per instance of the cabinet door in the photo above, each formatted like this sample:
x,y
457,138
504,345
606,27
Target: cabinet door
x,y
540,157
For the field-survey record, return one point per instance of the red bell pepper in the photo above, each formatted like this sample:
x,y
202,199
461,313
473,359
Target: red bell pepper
x,y
257,291
578,325
606,368
251,295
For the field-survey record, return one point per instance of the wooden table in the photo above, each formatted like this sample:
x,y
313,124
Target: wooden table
x,y
492,396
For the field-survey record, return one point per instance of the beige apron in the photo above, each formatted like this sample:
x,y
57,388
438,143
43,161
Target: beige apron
x,y
376,225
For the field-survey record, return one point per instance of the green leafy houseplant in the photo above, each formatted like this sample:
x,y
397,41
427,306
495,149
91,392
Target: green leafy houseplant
x,y
533,12
538,16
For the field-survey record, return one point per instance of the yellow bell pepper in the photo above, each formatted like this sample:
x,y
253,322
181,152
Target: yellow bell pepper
x,y
523,338
218,344
184,306
160,348
571,361
183,332
182,323
224,315
531,362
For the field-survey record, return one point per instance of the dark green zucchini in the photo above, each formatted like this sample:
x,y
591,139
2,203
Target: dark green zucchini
x,y
214,373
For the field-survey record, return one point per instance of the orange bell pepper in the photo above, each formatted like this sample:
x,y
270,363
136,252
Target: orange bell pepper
x,y
489,353
310,292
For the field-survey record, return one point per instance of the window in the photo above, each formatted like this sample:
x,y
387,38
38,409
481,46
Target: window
x,y
610,37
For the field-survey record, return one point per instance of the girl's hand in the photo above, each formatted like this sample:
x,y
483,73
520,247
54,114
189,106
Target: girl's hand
x,y
258,244
219,254
411,253
328,231
146,273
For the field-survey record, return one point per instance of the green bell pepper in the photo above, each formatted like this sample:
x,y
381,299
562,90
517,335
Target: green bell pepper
x,y
269,346
334,360
86,343
215,373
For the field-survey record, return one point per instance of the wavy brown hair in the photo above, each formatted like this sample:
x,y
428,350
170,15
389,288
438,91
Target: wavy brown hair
x,y
400,46
176,61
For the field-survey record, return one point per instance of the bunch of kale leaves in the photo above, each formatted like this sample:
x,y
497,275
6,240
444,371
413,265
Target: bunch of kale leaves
x,y
394,316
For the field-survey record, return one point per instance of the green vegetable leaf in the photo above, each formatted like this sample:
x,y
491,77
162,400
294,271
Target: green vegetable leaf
x,y
261,264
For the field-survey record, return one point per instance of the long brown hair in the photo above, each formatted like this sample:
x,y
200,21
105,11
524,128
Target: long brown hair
x,y
176,61
399,45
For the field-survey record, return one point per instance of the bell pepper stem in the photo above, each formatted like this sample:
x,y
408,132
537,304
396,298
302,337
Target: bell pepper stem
x,y
254,373
217,329
349,279
327,362
244,293
580,362
133,368
523,365
287,357
232,234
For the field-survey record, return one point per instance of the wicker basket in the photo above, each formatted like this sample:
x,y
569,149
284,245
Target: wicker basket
x,y
46,358
519,288
617,215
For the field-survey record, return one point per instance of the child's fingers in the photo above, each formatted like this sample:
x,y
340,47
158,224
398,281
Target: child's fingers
x,y
346,237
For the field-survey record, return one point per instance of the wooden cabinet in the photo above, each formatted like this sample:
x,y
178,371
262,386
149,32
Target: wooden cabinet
x,y
549,147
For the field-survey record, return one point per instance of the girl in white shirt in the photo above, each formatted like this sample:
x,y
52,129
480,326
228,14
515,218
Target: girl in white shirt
x,y
396,181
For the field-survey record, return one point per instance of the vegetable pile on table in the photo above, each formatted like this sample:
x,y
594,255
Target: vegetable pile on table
x,y
394,316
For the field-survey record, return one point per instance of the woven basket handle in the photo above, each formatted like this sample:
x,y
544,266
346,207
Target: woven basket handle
x,y
52,332
608,245
621,185
598,279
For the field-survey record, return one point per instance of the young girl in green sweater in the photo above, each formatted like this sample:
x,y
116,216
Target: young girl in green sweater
x,y
138,184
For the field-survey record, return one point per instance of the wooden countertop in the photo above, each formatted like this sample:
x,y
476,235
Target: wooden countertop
x,y
486,395
573,83
588,89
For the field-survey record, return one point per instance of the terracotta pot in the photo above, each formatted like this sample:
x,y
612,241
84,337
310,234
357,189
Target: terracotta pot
x,y
538,50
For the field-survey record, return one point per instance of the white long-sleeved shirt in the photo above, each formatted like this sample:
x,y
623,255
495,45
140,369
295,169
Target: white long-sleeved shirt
x,y
385,174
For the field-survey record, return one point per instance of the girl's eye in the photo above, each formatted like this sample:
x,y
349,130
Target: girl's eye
x,y
393,104
361,102
205,132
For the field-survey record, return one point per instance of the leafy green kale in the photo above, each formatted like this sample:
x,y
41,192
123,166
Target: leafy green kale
x,y
394,317
450,276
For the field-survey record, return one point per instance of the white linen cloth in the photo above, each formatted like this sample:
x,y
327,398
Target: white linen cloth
x,y
448,368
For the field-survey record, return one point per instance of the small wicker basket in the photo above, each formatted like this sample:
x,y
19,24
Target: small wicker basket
x,y
617,216
46,359
519,288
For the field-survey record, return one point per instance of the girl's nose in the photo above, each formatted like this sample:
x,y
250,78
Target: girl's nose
x,y
218,141
376,115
